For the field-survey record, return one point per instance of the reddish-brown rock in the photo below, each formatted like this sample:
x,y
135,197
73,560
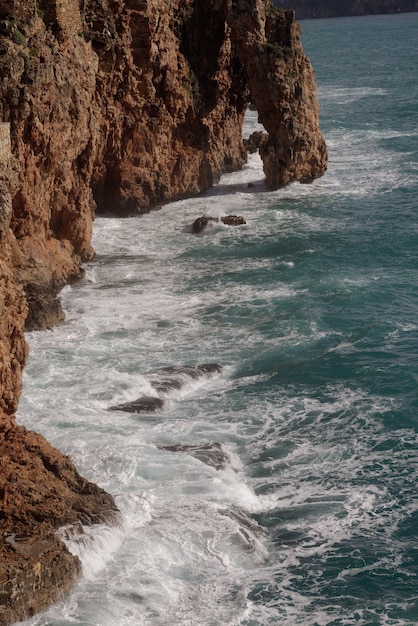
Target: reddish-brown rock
x,y
122,106
40,491
282,88
13,307
115,106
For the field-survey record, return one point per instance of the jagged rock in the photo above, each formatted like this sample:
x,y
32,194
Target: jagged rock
x,y
255,140
210,453
282,87
233,220
117,106
164,381
40,491
201,223
174,377
13,305
29,584
121,107
249,529
145,404
244,520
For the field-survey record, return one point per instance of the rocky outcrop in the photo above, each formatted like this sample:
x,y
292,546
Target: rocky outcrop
x,y
115,106
339,8
200,224
13,306
211,454
164,381
144,404
282,87
40,489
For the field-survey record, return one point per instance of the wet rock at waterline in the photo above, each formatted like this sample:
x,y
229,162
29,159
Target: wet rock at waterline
x,y
210,453
172,378
248,528
233,220
145,404
255,140
201,223
164,381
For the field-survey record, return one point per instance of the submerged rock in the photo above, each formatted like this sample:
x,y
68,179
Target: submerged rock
x,y
165,380
249,529
145,404
210,453
201,223
174,377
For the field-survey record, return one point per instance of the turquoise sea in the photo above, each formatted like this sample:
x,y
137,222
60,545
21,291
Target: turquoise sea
x,y
311,308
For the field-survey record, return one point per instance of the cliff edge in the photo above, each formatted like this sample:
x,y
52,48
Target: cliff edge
x,y
115,106
40,489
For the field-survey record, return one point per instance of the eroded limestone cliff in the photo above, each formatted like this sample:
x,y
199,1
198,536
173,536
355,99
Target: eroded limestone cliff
x,y
115,106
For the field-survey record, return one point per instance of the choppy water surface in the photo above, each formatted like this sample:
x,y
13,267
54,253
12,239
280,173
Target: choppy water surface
x,y
311,309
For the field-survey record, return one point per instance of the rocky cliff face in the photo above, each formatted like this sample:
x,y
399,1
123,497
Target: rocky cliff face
x,y
115,106
282,86
40,489
340,8
119,106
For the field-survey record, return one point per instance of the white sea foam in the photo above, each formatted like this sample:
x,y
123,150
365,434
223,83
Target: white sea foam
x,y
348,95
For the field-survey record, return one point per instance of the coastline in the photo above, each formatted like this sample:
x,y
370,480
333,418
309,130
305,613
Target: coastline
x,y
99,121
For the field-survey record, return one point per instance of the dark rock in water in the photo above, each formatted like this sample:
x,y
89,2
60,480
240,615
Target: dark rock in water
x,y
194,371
145,404
245,521
249,529
255,140
209,453
167,384
200,223
174,377
233,220
164,380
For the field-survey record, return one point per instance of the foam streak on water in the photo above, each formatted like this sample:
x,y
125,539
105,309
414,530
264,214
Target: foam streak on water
x,y
311,309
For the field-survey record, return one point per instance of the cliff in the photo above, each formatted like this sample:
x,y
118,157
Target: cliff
x,y
40,489
115,106
339,8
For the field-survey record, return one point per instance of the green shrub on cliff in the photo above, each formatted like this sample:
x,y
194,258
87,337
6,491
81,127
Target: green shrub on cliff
x,y
18,37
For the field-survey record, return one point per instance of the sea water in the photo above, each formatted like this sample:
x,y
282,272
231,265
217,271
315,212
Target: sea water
x,y
311,308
